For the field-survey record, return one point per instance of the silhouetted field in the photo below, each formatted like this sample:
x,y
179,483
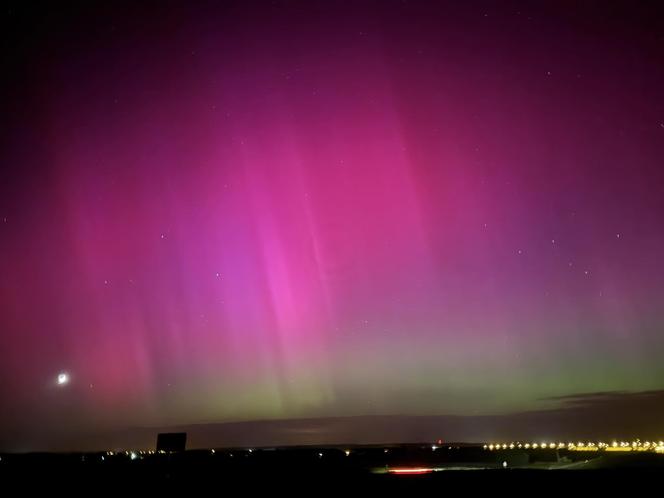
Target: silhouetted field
x,y
337,469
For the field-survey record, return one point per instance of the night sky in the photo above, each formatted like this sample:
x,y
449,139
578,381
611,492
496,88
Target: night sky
x,y
233,212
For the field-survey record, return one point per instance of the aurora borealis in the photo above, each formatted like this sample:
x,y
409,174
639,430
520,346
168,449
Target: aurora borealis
x,y
230,212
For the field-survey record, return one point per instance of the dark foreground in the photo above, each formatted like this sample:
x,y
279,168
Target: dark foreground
x,y
393,469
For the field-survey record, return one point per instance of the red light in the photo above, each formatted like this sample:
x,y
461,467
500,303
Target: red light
x,y
410,471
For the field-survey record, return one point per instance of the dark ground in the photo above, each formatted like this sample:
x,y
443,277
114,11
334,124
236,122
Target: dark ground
x,y
228,471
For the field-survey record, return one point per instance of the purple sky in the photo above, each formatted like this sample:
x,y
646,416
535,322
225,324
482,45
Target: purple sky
x,y
278,210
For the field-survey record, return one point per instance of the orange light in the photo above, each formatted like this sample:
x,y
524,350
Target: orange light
x,y
410,471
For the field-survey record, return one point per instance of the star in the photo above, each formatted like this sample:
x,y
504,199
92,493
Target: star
x,y
63,378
